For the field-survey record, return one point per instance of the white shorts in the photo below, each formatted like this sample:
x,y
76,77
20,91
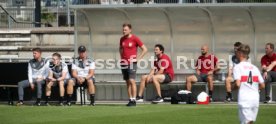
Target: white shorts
x,y
248,114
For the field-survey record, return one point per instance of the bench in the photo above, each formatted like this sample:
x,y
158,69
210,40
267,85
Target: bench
x,y
103,78
11,74
10,93
110,84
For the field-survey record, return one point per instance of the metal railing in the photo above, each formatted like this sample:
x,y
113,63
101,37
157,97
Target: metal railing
x,y
81,2
56,12
10,19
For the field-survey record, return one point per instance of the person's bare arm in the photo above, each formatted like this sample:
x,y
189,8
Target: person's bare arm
x,y
121,51
237,85
50,76
90,75
62,76
230,71
271,66
142,54
161,71
261,86
151,73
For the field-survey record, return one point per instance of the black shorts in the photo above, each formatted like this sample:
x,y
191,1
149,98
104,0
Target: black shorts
x,y
167,79
201,77
129,71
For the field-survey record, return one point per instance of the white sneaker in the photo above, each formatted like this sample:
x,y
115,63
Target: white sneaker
x,y
139,100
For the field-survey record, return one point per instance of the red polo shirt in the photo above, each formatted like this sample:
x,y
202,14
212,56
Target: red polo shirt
x,y
206,64
129,46
165,62
266,60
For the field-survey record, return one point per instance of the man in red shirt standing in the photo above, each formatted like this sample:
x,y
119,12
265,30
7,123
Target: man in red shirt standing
x,y
268,62
162,72
128,51
206,66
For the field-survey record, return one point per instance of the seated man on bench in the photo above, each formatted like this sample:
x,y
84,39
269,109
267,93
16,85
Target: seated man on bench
x,y
37,72
206,67
268,62
58,74
83,74
161,73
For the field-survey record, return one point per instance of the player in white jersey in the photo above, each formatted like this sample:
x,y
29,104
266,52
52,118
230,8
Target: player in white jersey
x,y
83,74
249,81
58,75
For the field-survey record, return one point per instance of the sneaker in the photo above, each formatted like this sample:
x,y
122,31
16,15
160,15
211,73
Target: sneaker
x,y
131,103
267,99
37,103
228,99
139,99
68,103
61,104
158,100
19,103
211,99
92,104
47,104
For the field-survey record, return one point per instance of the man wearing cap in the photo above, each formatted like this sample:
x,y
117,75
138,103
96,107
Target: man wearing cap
x,y
83,74
37,73
128,51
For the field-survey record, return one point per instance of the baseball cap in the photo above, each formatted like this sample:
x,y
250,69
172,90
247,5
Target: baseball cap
x,y
81,49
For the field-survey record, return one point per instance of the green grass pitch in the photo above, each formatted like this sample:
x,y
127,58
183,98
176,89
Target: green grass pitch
x,y
141,114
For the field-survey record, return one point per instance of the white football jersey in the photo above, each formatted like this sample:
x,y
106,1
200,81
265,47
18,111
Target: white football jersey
x,y
250,77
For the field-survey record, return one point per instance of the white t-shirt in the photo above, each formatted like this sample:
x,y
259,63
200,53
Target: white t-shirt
x,y
57,73
83,68
248,95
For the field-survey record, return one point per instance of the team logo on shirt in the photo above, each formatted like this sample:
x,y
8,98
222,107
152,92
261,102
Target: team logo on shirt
x,y
130,44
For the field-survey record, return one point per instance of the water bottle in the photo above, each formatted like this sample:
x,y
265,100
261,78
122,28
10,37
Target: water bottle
x,y
223,76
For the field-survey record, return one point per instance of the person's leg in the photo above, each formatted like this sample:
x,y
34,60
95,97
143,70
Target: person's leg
x,y
271,77
125,73
268,81
254,111
189,81
210,85
157,79
21,85
91,90
133,88
132,76
241,116
228,82
128,89
48,91
142,87
39,91
61,92
70,90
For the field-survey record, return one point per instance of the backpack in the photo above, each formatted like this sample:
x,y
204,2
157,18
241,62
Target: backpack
x,y
183,96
